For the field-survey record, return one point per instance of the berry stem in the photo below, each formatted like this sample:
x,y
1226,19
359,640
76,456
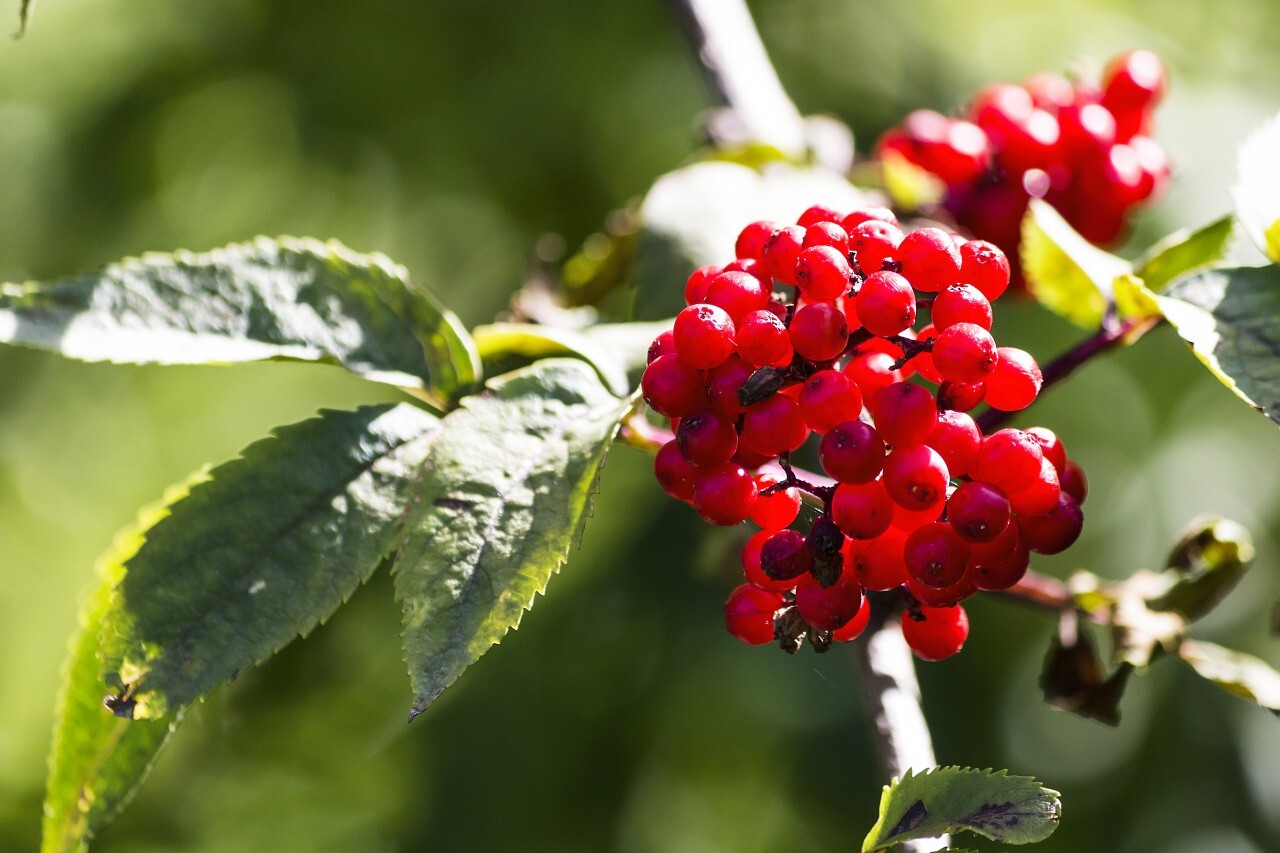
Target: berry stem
x,y
822,493
1112,334
892,697
910,348
1045,593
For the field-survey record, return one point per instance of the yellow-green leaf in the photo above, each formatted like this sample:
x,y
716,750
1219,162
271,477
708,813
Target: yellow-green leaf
x,y
1235,672
1066,273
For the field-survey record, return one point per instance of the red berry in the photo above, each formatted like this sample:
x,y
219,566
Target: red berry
x,y
868,214
922,362
663,344
819,332
978,512
737,293
774,426
785,556
905,414
943,596
829,398
965,352
1015,382
707,438
886,304
781,251
704,336
1000,109
940,634
985,267
862,511
695,289
1004,572
877,563
674,473
852,452
751,565
961,396
723,384
724,495
672,388
916,477
822,273
871,242
775,511
827,234
958,440
855,626
930,259
1050,91
1009,459
818,213
1133,82
751,240
1040,495
935,556
960,303
748,614
1073,481
763,340
1032,145
872,371
828,608
1055,531
1050,445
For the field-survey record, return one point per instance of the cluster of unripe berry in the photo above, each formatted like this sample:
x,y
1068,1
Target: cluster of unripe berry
x,y
814,331
1084,149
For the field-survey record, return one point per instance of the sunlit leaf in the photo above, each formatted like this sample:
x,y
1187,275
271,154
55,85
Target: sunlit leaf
x,y
628,343
263,552
1235,672
1065,272
1185,251
993,804
505,495
1208,561
497,342
1257,188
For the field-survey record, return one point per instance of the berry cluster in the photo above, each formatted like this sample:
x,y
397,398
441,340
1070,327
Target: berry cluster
x,y
921,501
1086,150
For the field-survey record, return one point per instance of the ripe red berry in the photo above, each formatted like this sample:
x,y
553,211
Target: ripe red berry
x,y
762,339
868,214
852,452
985,267
862,511
822,273
885,304
916,477
1050,445
1054,531
922,363
908,520
940,634
737,293
965,352
751,240
695,289
707,438
960,303
703,336
1073,481
961,396
774,426
785,555
978,512
674,473
941,596
1004,572
827,234
774,511
871,242
1009,459
818,213
828,608
930,259
1000,109
748,614
905,414
877,562
958,440
872,371
663,344
672,388
723,384
751,565
829,398
781,251
1133,84
1040,495
935,556
819,332
855,626
1015,382
724,495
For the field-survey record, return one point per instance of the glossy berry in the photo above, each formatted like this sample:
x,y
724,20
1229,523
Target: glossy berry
x,y
724,495
986,267
1073,481
905,413
852,452
777,510
964,352
1050,445
822,273
916,477
935,556
961,396
886,304
695,289
737,294
939,634
751,565
958,440
672,388
1055,531
930,259
829,398
941,596
751,240
703,336
674,473
774,426
832,607
960,303
1009,459
663,344
723,384
856,217
762,339
819,331
785,555
871,242
781,251
827,234
1004,572
852,629
978,512
818,213
877,562
872,371
1040,495
707,438
748,614
1015,382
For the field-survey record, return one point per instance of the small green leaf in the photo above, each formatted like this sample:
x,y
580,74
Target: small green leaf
x,y
265,551
505,494
1231,318
1185,251
498,342
1065,272
97,760
1235,672
1208,561
909,186
692,217
1134,300
286,299
1257,188
993,804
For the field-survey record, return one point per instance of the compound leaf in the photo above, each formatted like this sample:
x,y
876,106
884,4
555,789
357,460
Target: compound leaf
x,y
1235,672
1065,272
1231,318
505,493
993,804
264,551
1185,251
97,760
285,299
1257,188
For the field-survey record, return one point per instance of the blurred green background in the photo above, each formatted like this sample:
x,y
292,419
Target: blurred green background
x,y
451,135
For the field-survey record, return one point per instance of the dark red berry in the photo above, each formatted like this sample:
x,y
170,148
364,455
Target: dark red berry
x,y
831,607
1055,531
935,556
916,477
850,630
724,495
940,634
1004,572
663,344
762,339
707,438
751,565
748,614
941,596
785,555
978,512
819,332
774,425
1073,481
723,384
674,473
672,388
852,452
905,414
829,398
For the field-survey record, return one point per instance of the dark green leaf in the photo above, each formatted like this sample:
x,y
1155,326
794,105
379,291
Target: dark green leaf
x,y
993,804
1185,251
270,299
505,494
1231,318
1257,188
1207,563
1235,672
497,342
1074,678
692,217
263,552
1065,272
98,760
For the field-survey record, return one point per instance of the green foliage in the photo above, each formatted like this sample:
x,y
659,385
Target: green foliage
x,y
941,800
1183,252
505,494
1235,672
286,299
264,551
98,760
500,342
1257,188
692,217
1231,318
1206,563
1065,272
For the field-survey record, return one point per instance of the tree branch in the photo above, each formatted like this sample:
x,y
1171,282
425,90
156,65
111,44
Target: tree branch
x,y
892,697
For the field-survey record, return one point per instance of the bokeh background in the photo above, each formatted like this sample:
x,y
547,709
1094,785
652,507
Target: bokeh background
x,y
452,136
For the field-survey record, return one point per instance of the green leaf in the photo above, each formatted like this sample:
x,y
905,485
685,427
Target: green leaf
x,y
505,495
628,343
692,217
1257,188
993,804
1185,251
909,186
498,342
265,551
1231,318
286,299
1207,562
1235,672
1065,272
1073,678
97,760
